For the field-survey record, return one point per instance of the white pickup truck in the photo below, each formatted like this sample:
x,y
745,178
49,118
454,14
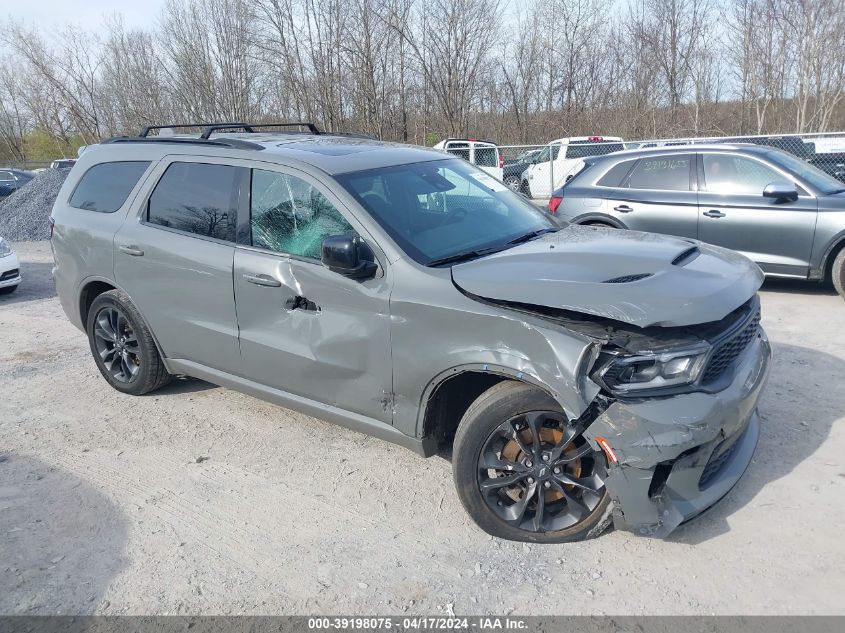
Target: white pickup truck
x,y
483,154
562,158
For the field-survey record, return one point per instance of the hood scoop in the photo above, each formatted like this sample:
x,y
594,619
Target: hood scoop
x,y
639,278
686,257
626,279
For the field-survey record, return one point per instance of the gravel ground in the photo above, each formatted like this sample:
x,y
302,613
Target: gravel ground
x,y
205,501
24,214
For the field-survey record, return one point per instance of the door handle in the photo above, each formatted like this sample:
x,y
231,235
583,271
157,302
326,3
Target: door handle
x,y
301,303
263,280
712,213
623,208
131,250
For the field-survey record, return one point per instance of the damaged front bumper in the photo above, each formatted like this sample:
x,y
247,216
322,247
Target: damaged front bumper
x,y
678,455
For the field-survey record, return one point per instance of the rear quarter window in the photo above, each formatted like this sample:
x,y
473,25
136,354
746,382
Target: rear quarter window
x,y
616,174
664,173
105,187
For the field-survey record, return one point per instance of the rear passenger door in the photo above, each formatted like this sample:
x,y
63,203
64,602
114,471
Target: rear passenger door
x,y
655,194
174,257
304,329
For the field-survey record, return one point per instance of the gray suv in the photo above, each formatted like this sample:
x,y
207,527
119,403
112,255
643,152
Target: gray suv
x,y
778,210
578,376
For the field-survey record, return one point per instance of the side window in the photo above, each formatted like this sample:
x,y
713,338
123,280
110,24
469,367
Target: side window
x,y
583,149
617,173
461,150
486,156
105,187
288,215
735,174
666,173
6,176
197,198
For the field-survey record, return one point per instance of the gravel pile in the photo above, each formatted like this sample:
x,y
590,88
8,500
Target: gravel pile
x,y
23,215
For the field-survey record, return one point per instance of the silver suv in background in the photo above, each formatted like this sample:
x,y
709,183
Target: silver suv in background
x,y
578,375
776,209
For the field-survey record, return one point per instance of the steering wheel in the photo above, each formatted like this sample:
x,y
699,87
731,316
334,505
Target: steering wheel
x,y
458,214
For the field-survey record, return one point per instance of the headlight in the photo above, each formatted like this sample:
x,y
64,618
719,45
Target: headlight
x,y
628,374
5,249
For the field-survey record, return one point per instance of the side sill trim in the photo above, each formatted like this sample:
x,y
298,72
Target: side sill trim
x,y
329,413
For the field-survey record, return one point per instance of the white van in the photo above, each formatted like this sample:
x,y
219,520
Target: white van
x,y
561,159
482,154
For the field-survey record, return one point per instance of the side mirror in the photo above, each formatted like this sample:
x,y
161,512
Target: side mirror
x,y
348,255
781,191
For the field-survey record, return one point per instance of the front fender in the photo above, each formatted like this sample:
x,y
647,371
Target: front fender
x,y
437,331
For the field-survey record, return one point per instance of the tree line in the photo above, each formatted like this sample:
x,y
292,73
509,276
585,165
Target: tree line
x,y
420,70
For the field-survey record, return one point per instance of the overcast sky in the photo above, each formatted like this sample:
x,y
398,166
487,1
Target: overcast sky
x,y
89,14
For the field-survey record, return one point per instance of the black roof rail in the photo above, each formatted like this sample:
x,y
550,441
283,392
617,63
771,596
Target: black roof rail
x,y
250,127
149,128
234,143
209,128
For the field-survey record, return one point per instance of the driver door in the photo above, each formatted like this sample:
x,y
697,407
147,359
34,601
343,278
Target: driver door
x,y
304,329
732,212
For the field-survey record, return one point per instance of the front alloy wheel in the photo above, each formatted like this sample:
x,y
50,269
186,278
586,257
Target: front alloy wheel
x,y
536,474
525,472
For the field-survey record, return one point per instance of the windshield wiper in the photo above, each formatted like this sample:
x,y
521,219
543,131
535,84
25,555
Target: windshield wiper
x,y
480,252
530,236
463,256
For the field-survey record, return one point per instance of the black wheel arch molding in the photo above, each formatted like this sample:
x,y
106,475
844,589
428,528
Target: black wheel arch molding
x,y
598,217
834,245
426,428
80,306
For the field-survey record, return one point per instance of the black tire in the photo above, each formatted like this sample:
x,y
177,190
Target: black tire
x,y
8,290
483,420
515,184
605,225
129,361
837,273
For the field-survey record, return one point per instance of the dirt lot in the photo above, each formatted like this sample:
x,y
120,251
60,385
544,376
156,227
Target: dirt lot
x,y
202,500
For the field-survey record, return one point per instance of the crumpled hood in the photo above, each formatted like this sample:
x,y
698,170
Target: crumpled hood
x,y
588,269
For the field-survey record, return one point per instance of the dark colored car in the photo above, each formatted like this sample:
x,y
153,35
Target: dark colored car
x,y
769,205
12,179
833,164
513,170
792,144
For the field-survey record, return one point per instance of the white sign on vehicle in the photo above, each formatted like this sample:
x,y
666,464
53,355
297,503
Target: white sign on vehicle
x,y
489,181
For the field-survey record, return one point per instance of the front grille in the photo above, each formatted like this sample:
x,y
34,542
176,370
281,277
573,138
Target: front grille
x,y
9,274
726,352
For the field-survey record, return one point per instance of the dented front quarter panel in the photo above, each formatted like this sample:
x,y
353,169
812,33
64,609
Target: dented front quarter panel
x,y
648,432
435,325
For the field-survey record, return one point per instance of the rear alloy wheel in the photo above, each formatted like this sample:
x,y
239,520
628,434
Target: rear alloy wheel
x,y
514,183
524,473
123,346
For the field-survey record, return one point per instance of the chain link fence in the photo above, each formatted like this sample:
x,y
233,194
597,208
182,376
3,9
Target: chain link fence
x,y
537,170
26,165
